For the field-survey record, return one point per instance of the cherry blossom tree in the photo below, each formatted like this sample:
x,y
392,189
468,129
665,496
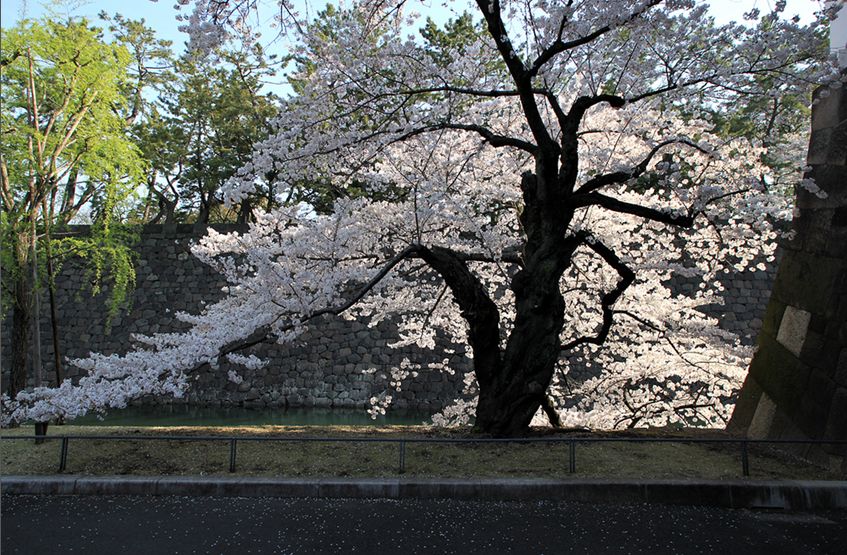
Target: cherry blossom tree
x,y
546,181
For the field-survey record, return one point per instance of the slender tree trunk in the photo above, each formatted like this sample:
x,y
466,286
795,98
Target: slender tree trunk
x,y
36,311
21,317
51,288
148,203
550,412
204,212
54,329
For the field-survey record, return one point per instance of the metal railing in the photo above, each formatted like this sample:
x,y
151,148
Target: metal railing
x,y
743,443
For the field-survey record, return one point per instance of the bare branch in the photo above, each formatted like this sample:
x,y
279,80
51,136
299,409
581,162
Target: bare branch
x,y
522,78
490,10
494,93
432,309
5,186
490,137
584,103
509,256
664,333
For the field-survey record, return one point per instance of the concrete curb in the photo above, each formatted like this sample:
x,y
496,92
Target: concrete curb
x,y
792,495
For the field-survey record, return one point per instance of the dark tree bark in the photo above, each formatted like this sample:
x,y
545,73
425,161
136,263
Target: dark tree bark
x,y
513,381
51,288
21,318
167,210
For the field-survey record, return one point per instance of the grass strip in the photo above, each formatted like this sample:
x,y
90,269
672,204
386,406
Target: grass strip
x,y
131,456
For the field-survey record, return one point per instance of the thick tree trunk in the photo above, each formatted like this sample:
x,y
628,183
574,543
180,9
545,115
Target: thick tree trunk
x,y
245,212
507,405
513,381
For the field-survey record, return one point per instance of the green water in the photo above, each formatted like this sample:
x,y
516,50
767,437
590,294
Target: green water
x,y
177,415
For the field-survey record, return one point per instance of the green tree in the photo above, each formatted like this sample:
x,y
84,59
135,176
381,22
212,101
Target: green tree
x,y
151,61
64,150
212,115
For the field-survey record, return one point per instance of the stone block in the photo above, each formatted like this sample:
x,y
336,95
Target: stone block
x,y
813,410
836,245
799,270
839,216
793,329
816,231
827,112
837,153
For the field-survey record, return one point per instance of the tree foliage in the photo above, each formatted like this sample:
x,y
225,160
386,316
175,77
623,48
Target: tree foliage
x,y
202,129
64,150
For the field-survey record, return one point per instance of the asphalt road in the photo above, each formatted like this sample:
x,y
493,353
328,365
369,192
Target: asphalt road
x,y
123,525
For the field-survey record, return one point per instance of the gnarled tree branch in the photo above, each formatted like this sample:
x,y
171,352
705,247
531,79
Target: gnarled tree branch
x,y
609,298
264,333
623,176
476,307
617,205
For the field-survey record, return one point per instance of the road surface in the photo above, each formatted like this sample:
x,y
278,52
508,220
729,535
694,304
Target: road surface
x,y
123,525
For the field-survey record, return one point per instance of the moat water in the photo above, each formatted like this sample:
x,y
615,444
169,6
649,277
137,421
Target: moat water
x,y
180,415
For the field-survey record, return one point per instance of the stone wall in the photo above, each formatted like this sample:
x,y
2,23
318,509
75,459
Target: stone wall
x,y
330,366
745,296
797,385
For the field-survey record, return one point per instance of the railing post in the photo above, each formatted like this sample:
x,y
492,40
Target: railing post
x,y
63,455
402,469
745,460
572,456
232,454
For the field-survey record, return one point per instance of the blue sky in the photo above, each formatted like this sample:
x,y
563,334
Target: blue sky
x,y
160,15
